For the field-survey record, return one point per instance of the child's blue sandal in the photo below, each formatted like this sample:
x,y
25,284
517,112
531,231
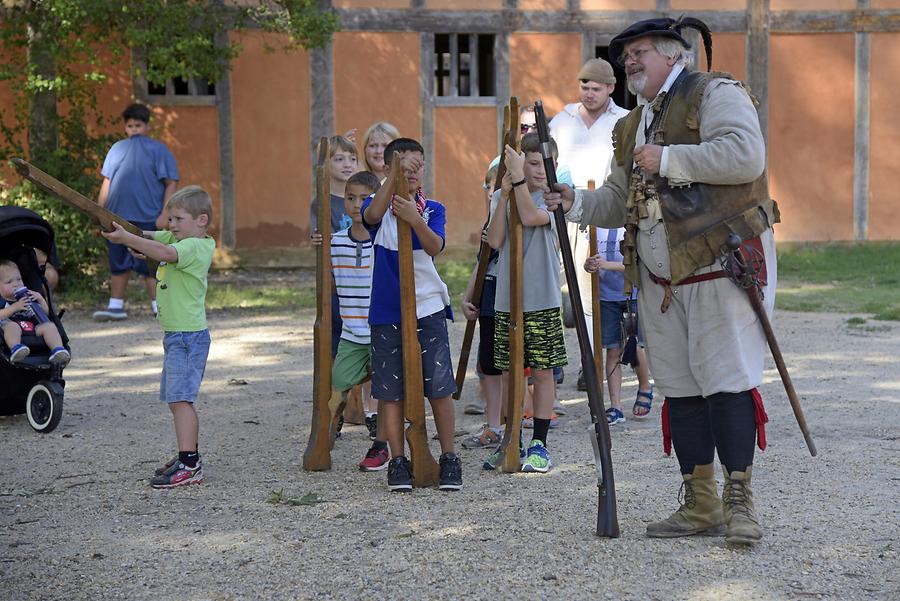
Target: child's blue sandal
x,y
614,416
648,404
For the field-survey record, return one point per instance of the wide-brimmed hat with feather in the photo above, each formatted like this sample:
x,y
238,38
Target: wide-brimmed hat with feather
x,y
664,28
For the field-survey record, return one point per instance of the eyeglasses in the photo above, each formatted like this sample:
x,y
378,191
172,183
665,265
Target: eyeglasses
x,y
526,127
634,55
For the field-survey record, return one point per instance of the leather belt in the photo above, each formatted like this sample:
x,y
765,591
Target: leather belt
x,y
694,279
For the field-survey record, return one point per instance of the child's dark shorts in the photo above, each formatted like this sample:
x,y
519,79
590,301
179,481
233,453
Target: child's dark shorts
x,y
545,342
612,319
387,359
122,261
486,346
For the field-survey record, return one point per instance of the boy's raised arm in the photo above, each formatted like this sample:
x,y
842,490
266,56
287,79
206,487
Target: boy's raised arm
x,y
530,215
149,248
497,224
374,213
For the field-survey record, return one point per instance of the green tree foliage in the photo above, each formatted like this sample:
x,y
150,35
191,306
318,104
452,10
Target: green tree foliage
x,y
58,54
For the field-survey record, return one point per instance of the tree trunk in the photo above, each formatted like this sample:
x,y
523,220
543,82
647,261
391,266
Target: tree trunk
x,y
44,119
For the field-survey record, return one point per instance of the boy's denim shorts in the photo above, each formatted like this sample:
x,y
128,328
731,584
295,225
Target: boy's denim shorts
x,y
184,363
612,319
387,359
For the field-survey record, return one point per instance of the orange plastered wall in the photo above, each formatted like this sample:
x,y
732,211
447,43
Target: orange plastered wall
x,y
618,4
729,54
465,142
545,66
812,5
884,140
708,5
811,125
272,156
542,4
376,78
192,134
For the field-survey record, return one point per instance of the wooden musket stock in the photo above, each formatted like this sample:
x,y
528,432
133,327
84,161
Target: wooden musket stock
x,y
515,389
317,456
99,215
424,467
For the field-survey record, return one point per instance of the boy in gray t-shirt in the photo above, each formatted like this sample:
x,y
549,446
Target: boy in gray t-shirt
x,y
545,346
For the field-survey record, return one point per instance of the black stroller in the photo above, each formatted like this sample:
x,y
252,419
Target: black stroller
x,y
33,386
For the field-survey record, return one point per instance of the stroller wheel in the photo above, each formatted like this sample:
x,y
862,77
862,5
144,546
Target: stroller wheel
x,y
44,406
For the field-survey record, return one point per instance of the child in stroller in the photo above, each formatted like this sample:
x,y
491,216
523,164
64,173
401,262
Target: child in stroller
x,y
32,384
18,314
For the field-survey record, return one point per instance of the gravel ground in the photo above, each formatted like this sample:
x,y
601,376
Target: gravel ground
x,y
78,520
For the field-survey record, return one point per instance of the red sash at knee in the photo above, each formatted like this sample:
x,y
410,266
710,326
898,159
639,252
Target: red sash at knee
x,y
666,429
761,419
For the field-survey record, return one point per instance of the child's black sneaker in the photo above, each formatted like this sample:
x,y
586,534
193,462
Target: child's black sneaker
x,y
372,425
340,426
178,474
451,472
399,474
162,470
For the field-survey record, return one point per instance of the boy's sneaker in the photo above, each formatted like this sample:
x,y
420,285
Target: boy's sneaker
x,y
18,353
162,470
340,426
375,460
60,356
451,472
372,425
110,315
399,475
493,460
537,459
486,438
178,474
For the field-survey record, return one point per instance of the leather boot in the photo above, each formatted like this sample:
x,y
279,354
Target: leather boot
x,y
700,511
737,499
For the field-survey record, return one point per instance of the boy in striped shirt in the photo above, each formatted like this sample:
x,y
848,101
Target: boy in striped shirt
x,y
351,266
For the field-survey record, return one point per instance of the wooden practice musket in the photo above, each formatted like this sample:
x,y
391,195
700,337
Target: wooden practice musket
x,y
597,330
607,520
484,258
74,199
424,468
317,456
747,280
509,445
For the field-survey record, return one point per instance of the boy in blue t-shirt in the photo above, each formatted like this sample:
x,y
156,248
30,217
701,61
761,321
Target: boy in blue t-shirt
x,y
426,219
139,177
184,253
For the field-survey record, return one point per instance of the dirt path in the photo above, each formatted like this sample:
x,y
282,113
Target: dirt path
x,y
78,520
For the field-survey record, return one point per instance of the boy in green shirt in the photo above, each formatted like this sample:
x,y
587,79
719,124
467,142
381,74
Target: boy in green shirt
x,y
184,253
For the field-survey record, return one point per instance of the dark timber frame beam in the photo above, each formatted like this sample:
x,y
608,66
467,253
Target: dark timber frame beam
x,y
511,20
861,135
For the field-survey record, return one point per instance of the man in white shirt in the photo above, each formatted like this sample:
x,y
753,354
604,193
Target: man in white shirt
x,y
583,133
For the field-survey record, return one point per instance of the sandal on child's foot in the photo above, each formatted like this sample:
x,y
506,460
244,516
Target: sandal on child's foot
x,y
641,408
614,416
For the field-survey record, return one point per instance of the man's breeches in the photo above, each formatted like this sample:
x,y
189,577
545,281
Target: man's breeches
x,y
709,340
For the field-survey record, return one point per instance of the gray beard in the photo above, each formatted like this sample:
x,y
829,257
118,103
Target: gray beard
x,y
637,83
